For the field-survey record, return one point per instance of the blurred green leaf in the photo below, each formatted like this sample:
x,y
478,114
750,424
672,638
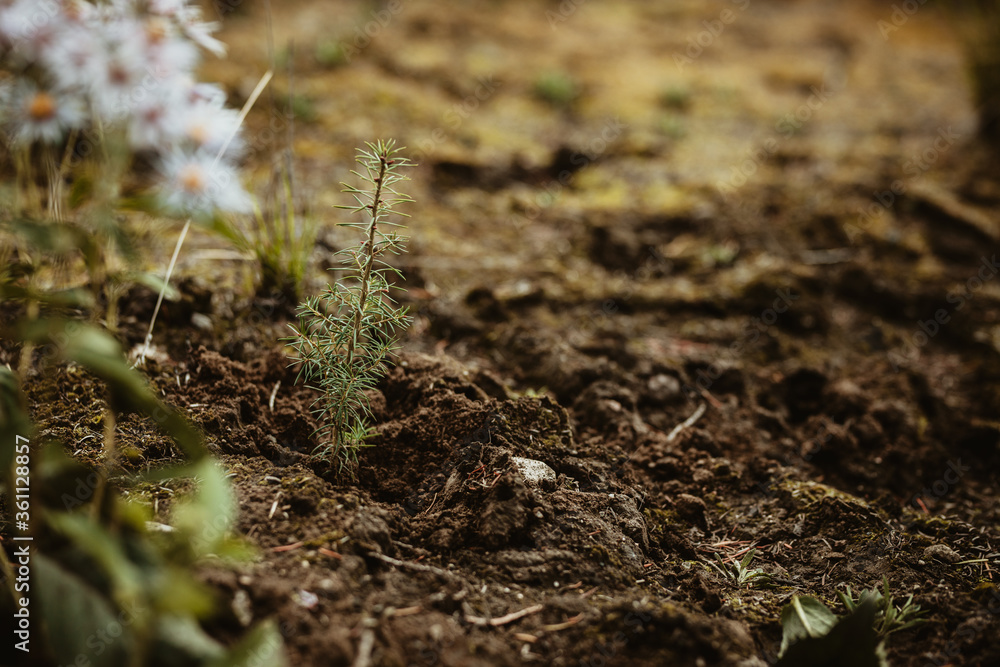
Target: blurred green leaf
x,y
852,640
207,514
81,191
146,203
74,297
178,593
79,621
330,53
804,617
106,549
54,238
101,354
180,641
13,417
155,283
261,646
557,88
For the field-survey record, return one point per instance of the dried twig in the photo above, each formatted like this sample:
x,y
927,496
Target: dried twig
x,y
412,566
274,506
365,646
568,623
274,392
504,620
687,422
434,500
407,611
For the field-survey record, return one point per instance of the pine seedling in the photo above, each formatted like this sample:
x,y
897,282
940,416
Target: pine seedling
x,y
346,335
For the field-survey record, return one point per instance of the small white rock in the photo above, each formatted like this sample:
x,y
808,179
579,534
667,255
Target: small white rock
x,y
307,599
533,472
242,608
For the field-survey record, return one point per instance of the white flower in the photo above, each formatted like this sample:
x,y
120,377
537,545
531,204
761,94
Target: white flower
x,y
31,27
76,52
201,34
206,92
117,72
199,185
161,48
167,7
141,58
156,122
208,126
189,20
79,12
43,115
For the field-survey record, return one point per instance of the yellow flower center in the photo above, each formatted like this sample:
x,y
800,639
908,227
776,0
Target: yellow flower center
x,y
42,107
192,179
156,30
198,132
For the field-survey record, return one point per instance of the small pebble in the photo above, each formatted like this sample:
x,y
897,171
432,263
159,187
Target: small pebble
x,y
664,388
201,321
307,599
533,472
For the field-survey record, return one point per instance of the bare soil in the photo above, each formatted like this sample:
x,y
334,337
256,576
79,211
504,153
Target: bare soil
x,y
585,274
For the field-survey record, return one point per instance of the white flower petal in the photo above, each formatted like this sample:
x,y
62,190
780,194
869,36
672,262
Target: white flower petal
x,y
198,185
43,115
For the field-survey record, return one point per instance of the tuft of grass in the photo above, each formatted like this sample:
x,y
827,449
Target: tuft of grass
x,y
330,53
557,88
677,98
281,240
302,108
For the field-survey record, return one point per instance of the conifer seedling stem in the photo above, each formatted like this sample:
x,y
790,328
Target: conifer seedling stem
x,y
369,258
